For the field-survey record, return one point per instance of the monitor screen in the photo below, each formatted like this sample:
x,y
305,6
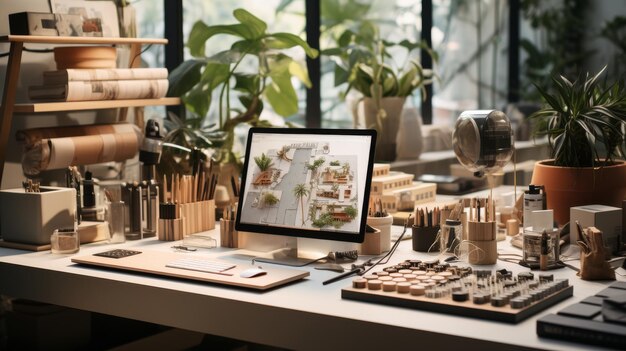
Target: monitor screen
x,y
312,183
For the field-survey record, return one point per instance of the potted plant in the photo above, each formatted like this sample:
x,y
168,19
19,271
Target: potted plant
x,y
268,82
363,61
585,123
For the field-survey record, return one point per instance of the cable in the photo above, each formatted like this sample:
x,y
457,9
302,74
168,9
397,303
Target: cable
x,y
132,62
393,248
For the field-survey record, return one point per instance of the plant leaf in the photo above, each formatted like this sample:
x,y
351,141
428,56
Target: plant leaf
x,y
184,77
226,56
255,26
288,40
215,74
296,70
280,92
201,32
198,100
249,83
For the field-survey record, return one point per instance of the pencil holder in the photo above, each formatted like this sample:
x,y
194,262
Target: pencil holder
x,y
425,239
372,245
384,225
481,245
199,216
482,252
228,234
481,231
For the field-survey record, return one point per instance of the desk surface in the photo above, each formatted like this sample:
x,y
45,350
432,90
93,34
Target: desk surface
x,y
302,315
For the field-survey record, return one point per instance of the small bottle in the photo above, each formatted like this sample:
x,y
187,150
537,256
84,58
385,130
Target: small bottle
x,y
534,200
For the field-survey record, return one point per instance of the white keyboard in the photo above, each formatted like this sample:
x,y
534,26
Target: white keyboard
x,y
201,265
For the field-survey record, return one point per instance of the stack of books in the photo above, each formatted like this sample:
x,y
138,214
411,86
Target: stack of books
x,y
101,84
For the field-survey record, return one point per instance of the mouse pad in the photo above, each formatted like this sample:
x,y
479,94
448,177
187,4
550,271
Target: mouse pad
x,y
154,263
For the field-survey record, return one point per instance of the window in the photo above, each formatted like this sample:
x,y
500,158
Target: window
x,y
471,40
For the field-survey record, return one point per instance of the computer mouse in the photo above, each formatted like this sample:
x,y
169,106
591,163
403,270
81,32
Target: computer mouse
x,y
252,272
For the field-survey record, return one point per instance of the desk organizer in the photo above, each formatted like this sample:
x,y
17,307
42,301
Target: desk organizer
x,y
425,239
31,218
481,242
384,225
198,216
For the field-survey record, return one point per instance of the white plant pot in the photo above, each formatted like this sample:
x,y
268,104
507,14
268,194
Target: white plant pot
x,y
388,130
410,141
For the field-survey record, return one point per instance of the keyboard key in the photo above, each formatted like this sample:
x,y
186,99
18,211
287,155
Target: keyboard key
x,y
593,300
610,292
618,285
581,310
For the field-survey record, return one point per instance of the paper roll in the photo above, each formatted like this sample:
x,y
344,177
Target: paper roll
x,y
56,148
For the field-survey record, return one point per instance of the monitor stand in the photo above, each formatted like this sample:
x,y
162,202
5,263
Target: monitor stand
x,y
287,257
289,251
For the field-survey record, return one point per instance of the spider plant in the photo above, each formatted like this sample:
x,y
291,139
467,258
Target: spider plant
x,y
585,121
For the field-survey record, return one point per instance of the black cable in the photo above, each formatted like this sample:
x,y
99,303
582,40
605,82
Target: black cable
x,y
393,248
139,54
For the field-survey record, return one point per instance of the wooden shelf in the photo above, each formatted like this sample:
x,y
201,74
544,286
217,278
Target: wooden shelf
x,y
79,40
8,106
92,105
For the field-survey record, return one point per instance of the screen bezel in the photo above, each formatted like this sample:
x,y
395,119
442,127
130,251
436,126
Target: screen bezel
x,y
305,233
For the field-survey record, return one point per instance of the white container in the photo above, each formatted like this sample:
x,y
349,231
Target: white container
x,y
31,218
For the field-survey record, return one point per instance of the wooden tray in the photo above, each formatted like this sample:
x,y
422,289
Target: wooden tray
x,y
446,305
154,263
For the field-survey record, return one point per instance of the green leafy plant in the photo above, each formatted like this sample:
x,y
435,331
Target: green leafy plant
x,y
316,164
300,191
585,121
351,212
269,199
196,80
263,162
363,62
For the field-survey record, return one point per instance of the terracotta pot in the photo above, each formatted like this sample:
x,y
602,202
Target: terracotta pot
x,y
568,187
386,140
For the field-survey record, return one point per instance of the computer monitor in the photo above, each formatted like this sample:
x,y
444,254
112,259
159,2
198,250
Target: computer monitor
x,y
306,183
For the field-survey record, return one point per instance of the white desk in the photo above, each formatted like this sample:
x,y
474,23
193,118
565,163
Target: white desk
x,y
303,315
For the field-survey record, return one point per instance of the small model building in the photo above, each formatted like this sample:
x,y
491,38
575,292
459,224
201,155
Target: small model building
x,y
398,191
264,178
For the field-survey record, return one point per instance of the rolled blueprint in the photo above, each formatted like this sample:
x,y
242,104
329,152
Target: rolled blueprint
x,y
55,148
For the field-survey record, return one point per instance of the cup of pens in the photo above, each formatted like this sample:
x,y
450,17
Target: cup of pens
x,y
228,234
425,230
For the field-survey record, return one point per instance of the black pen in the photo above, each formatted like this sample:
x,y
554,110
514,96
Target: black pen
x,y
356,270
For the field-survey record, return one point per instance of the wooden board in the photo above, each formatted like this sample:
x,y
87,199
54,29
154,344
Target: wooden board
x,y
446,305
22,246
154,263
88,232
79,40
92,105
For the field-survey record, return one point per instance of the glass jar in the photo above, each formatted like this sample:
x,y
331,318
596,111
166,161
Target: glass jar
x,y
64,241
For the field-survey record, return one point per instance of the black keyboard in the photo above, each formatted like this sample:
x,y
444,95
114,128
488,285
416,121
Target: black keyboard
x,y
583,321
